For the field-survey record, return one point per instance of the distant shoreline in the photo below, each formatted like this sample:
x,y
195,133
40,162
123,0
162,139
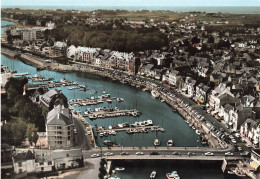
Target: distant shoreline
x,y
178,9
9,19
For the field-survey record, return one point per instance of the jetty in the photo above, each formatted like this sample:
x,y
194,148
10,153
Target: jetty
x,y
92,100
115,113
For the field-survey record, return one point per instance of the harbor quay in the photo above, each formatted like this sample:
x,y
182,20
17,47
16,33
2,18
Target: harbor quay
x,y
139,81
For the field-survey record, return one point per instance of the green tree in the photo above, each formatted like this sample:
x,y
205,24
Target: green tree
x,y
31,134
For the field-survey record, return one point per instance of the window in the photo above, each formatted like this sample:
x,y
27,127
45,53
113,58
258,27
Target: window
x,y
59,127
20,170
50,163
20,164
42,168
41,163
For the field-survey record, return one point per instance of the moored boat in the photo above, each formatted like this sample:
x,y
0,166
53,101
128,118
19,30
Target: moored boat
x,y
155,94
169,143
173,175
153,174
119,168
156,142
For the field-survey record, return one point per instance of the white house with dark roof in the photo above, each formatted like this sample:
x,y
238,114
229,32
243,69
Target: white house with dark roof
x,y
59,128
214,97
24,162
190,86
71,52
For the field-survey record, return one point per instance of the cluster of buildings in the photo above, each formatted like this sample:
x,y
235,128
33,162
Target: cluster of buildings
x,y
23,163
217,69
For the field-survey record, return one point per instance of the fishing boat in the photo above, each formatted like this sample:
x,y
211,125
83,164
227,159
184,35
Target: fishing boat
x,y
169,143
156,142
153,174
173,175
155,94
108,143
119,168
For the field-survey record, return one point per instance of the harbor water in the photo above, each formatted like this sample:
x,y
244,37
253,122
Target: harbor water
x,y
162,115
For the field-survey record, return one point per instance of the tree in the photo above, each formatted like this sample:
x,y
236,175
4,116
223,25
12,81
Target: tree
x,y
14,132
31,134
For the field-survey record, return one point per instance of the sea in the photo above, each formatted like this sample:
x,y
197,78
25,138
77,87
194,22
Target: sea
x,y
179,9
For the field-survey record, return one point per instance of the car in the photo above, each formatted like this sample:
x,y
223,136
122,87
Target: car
x,y
154,153
233,141
176,153
237,134
139,153
229,153
191,154
231,137
209,154
108,154
239,148
244,153
95,155
124,153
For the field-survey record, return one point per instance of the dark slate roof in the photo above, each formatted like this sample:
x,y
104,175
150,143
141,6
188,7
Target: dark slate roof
x,y
23,156
46,98
228,107
59,116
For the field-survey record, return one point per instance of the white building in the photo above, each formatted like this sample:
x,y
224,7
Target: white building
x,y
4,78
24,162
214,97
59,128
71,52
50,25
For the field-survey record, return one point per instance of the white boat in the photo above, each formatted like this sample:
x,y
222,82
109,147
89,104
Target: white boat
x,y
119,168
101,134
169,143
198,132
173,175
156,142
155,94
153,174
162,100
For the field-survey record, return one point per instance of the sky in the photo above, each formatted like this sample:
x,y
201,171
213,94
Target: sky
x,y
130,3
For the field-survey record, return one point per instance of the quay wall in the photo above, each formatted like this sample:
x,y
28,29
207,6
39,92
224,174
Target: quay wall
x,y
64,68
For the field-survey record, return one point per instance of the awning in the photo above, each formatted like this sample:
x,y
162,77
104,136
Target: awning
x,y
200,100
255,165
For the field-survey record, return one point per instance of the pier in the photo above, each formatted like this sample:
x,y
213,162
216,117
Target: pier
x,y
94,101
101,130
116,113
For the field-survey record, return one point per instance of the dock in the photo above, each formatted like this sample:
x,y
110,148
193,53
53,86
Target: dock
x,y
85,102
116,113
131,130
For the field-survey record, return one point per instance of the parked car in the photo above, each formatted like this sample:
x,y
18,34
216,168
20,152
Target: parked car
x,y
95,155
229,153
176,153
108,154
209,154
154,153
124,153
139,153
